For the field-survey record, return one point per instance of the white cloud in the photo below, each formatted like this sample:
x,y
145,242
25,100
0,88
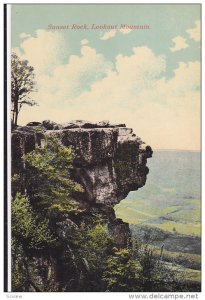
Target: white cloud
x,y
195,33
163,112
180,43
187,77
69,80
108,35
84,42
24,35
125,30
64,82
44,51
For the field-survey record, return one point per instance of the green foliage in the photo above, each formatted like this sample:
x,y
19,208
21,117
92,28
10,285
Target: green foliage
x,y
22,84
154,274
49,197
47,179
92,244
147,262
121,272
18,271
28,227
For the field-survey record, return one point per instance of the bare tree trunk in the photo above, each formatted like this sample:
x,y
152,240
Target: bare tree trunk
x,y
16,113
13,116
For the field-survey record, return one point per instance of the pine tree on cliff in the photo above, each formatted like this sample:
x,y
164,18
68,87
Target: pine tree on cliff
x,y
22,84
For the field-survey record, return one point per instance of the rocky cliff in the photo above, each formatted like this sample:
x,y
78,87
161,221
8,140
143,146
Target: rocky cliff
x,y
110,161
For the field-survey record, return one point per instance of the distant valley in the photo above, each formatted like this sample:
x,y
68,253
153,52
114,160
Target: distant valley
x,y
166,212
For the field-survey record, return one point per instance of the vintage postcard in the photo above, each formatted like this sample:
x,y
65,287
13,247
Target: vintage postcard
x,y
104,154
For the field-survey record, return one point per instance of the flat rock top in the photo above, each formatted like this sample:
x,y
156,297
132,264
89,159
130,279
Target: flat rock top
x,y
80,126
50,125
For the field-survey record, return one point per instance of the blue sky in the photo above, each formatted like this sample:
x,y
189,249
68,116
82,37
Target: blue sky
x,y
146,78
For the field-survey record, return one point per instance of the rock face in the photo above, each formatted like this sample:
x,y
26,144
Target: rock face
x,y
111,160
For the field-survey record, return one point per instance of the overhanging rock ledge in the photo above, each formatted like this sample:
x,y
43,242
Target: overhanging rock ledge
x,y
110,159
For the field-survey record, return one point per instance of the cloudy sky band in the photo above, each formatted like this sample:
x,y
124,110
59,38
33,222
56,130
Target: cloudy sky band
x,y
148,79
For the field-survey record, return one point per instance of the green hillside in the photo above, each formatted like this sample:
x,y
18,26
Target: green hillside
x,y
184,219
